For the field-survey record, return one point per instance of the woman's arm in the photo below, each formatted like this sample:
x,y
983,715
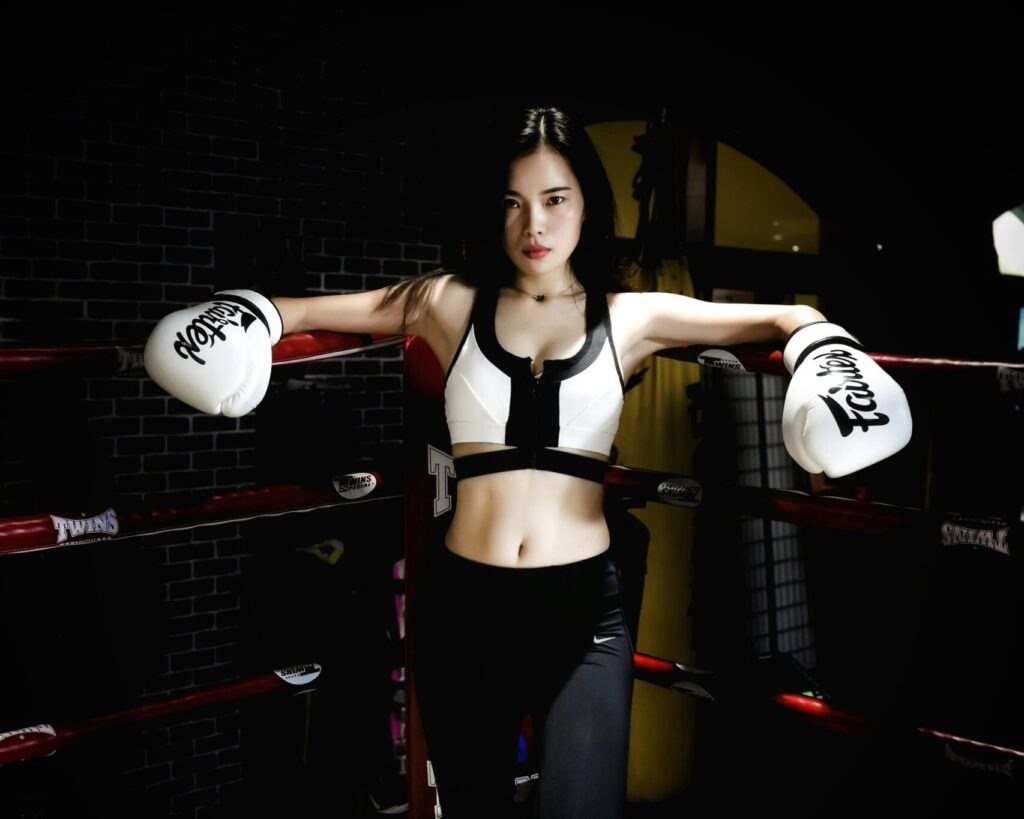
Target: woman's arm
x,y
842,411
670,320
346,313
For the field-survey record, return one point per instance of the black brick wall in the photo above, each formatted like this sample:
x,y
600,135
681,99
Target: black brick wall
x,y
159,158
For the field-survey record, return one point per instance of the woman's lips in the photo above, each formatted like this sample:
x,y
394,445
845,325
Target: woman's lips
x,y
536,254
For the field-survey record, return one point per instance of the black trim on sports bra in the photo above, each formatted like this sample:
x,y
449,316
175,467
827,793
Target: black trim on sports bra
x,y
532,426
598,328
555,369
611,341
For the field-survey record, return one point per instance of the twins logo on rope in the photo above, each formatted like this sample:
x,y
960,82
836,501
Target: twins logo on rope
x,y
74,528
42,728
18,734
986,533
206,328
680,491
859,397
721,360
299,674
355,484
129,359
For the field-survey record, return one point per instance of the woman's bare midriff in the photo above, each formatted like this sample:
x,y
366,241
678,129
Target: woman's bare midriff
x,y
524,518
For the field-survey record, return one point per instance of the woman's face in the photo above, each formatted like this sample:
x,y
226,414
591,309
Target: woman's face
x,y
543,206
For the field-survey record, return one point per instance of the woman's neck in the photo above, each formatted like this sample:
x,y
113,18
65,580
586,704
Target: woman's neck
x,y
550,285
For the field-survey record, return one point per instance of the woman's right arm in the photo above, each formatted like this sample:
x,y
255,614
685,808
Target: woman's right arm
x,y
346,313
216,356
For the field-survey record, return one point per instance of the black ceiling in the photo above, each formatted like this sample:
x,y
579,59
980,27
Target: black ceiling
x,y
858,113
935,96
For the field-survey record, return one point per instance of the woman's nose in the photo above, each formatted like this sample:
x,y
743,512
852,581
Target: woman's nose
x,y
535,222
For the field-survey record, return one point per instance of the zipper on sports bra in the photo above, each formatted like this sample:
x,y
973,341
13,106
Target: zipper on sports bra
x,y
536,388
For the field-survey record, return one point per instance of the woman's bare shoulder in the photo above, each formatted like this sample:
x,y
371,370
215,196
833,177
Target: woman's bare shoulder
x,y
453,299
631,303
634,296
457,282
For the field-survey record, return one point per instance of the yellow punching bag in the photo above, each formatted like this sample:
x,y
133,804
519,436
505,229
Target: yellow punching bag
x,y
655,434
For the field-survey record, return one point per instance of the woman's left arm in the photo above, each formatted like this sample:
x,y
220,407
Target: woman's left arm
x,y
671,319
842,411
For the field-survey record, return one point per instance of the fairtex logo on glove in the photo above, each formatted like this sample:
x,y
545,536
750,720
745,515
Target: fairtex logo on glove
x,y
859,398
206,328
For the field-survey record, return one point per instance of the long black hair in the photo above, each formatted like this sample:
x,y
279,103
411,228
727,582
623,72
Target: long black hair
x,y
509,136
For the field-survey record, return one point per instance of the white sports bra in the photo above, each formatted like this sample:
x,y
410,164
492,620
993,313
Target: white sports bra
x,y
493,396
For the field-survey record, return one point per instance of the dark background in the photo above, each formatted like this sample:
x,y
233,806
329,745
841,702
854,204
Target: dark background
x,y
902,131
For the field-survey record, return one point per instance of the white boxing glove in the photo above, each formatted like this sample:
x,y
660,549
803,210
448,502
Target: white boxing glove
x,y
215,356
842,412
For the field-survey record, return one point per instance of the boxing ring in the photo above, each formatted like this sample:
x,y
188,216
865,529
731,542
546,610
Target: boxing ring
x,y
774,689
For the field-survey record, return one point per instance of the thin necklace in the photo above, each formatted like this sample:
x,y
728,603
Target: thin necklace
x,y
540,296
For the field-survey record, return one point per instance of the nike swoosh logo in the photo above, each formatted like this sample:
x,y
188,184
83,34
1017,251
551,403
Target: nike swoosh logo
x,y
603,639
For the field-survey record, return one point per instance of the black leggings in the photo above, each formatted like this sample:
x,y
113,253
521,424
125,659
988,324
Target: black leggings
x,y
491,642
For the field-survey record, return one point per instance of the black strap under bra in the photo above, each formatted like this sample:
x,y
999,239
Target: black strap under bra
x,y
552,460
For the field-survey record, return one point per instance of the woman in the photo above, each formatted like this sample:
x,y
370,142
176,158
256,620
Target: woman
x,y
520,609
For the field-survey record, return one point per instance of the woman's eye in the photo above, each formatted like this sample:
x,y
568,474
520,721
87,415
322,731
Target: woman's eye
x,y
513,202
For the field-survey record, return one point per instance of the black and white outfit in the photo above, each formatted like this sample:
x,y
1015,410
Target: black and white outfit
x,y
493,641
